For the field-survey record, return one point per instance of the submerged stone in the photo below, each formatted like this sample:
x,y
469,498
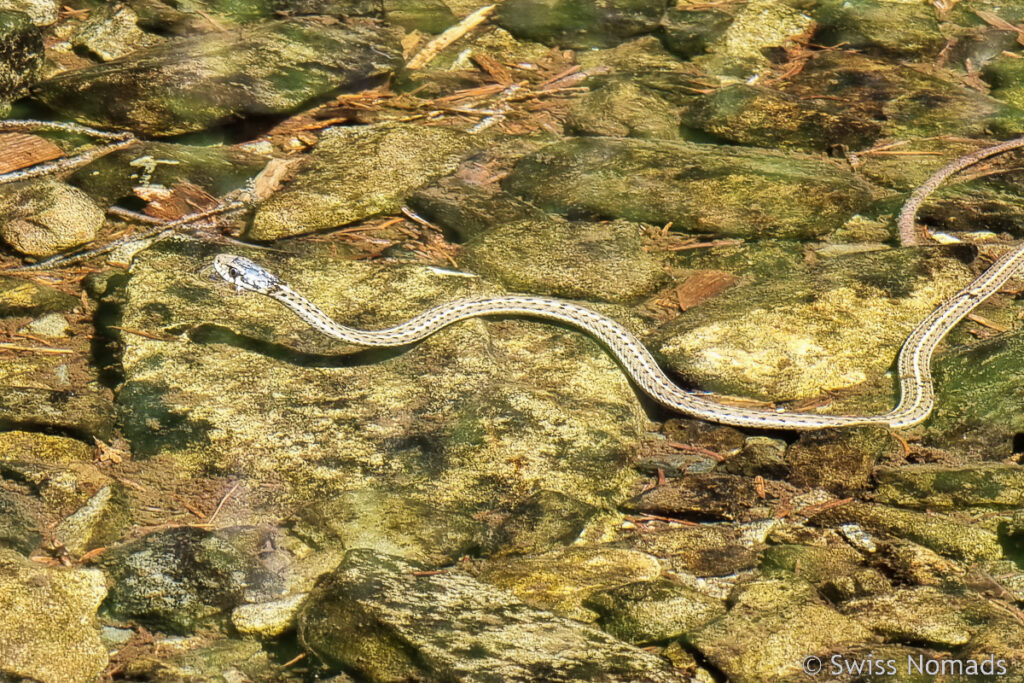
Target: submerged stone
x,y
19,297
21,54
112,31
356,173
940,533
49,631
41,12
46,448
839,460
217,170
757,27
922,615
574,24
563,579
193,83
979,393
176,579
377,616
624,109
765,117
771,626
42,217
890,28
542,522
687,31
725,191
429,16
464,209
411,445
697,497
104,519
593,261
20,527
943,487
653,611
837,571
828,324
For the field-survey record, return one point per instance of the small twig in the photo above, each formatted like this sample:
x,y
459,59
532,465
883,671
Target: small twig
x,y
18,347
222,501
435,46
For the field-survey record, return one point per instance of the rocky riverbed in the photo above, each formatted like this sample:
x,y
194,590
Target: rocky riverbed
x,y
195,485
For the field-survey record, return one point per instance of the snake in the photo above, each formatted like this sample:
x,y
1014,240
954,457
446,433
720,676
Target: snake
x,y
917,396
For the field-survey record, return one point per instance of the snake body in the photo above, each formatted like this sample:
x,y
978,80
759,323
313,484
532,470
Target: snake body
x,y
914,365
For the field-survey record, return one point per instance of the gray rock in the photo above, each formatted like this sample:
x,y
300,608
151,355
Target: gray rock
x,y
374,615
593,261
48,325
567,23
21,54
43,217
194,83
49,631
177,579
726,191
355,173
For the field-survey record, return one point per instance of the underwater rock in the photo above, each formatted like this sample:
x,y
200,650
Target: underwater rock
x,y
573,24
757,28
702,550
21,54
942,534
725,191
194,83
20,527
355,173
45,448
21,297
389,620
899,29
839,460
837,571
49,631
400,451
177,579
771,626
945,487
653,611
42,217
104,519
624,109
464,210
688,31
561,580
112,31
544,521
41,12
428,16
697,497
574,260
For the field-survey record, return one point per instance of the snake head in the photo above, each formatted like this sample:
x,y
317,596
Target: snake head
x,y
244,274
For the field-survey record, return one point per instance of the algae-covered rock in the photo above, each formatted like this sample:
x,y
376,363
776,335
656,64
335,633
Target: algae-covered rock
x,y
688,30
771,626
19,296
702,550
104,519
726,191
111,32
464,210
979,393
44,216
839,461
697,497
21,54
837,571
1006,76
223,659
176,579
562,579
833,323
400,451
653,611
388,620
268,619
355,173
757,27
429,16
542,522
624,109
89,412
943,487
41,12
891,28
940,533
194,83
573,260
218,170
49,631
907,102
16,445
764,117
572,23
922,615
20,527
